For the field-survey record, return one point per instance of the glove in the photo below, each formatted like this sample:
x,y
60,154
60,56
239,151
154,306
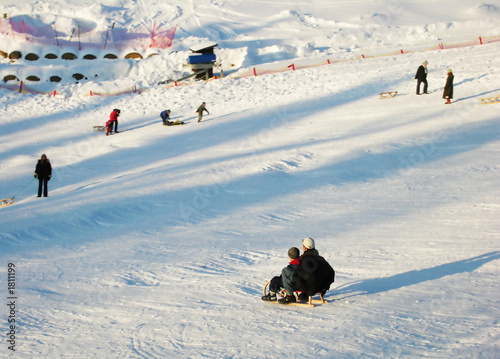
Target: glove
x,y
34,175
48,179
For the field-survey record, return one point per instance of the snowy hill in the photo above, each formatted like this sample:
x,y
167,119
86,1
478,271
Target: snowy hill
x,y
156,242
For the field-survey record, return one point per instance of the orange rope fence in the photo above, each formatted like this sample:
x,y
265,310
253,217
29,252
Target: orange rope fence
x,y
261,71
23,88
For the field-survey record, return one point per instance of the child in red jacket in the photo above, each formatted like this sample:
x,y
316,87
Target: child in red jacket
x,y
113,118
285,279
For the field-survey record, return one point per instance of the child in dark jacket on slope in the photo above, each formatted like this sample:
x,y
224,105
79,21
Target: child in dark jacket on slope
x,y
285,279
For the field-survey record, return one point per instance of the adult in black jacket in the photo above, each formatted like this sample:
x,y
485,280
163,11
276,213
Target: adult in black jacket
x,y
314,274
421,77
43,171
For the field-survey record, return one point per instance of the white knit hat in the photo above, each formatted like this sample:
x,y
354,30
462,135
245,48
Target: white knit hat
x,y
308,243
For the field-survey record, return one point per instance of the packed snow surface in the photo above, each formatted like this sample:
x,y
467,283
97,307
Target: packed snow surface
x,y
156,242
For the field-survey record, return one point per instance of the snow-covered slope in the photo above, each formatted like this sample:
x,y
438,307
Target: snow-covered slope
x,y
156,242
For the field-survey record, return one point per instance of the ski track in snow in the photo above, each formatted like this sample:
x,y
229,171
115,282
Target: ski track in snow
x,y
156,242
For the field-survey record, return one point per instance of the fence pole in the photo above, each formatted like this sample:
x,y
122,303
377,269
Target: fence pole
x,y
24,28
153,35
55,32
11,27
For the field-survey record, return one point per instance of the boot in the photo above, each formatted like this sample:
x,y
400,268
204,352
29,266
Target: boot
x,y
287,300
269,297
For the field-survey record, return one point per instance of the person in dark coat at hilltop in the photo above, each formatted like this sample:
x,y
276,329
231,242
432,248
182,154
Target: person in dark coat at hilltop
x,y
314,274
448,87
285,279
43,171
113,119
421,77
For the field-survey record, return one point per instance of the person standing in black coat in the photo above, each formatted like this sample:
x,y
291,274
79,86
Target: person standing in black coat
x,y
43,171
448,87
421,77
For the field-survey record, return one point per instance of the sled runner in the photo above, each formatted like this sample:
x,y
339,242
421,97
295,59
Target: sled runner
x,y
389,94
6,202
99,128
310,303
490,100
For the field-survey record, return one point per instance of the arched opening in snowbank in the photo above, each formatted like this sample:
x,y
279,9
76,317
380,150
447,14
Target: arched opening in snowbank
x,y
14,55
69,56
31,57
134,55
78,77
33,78
10,78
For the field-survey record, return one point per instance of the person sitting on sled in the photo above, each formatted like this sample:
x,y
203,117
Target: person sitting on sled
x,y
314,275
285,279
165,116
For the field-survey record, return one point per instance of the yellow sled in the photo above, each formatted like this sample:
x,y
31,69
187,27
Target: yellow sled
x,y
389,94
6,202
490,100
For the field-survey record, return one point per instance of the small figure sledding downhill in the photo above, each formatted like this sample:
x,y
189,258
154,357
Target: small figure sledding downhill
x,y
311,274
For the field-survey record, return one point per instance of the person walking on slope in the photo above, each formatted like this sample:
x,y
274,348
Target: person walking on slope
x,y
448,88
421,77
43,171
113,119
285,279
200,110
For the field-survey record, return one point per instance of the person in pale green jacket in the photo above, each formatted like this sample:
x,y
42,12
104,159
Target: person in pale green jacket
x,y
200,110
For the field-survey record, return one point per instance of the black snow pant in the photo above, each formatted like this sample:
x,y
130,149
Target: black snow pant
x,y
276,284
418,86
43,182
283,281
116,126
